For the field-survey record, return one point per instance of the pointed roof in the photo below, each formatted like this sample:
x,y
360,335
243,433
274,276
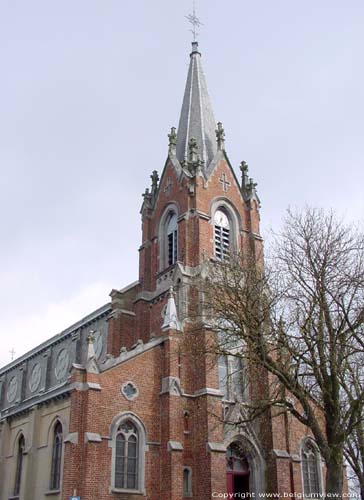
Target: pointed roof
x,y
197,118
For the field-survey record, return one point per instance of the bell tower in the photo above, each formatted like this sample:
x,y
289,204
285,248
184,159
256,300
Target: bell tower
x,y
197,211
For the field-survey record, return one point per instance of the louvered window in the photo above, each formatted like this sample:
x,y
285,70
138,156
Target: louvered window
x,y
172,243
126,457
56,457
19,465
222,235
310,471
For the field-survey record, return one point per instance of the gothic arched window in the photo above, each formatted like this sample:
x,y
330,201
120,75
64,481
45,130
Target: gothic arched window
x,y
127,456
57,445
172,239
222,234
310,470
19,465
232,378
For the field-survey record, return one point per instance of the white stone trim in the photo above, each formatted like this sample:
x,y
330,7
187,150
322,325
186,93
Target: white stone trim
x,y
92,437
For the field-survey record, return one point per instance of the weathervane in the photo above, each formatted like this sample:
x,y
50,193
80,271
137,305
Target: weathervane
x,y
194,20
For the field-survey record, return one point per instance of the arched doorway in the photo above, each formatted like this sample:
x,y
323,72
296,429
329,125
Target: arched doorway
x,y
237,470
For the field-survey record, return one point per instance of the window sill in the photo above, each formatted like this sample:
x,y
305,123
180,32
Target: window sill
x,y
127,492
14,498
52,492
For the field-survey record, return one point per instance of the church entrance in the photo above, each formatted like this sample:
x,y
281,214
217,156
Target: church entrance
x,y
237,470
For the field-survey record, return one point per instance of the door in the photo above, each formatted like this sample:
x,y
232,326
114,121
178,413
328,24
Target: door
x,y
237,470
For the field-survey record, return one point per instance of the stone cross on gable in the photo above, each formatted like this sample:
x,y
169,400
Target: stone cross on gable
x,y
224,182
168,186
12,352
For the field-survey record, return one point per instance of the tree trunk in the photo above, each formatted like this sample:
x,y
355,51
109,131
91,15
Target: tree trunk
x,y
362,490
334,476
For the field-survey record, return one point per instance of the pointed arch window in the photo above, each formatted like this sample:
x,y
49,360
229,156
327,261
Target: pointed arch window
x,y
232,378
19,465
222,234
57,446
127,456
172,240
310,470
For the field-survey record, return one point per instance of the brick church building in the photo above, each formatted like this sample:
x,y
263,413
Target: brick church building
x,y
115,407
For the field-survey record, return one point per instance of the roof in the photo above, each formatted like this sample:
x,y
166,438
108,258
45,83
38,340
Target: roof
x,y
197,118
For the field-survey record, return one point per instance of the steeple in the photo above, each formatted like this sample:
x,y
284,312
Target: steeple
x,y
197,119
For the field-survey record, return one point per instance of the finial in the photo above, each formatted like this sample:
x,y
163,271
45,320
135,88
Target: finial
x,y
196,23
192,148
170,317
172,136
220,136
248,186
155,179
244,175
244,167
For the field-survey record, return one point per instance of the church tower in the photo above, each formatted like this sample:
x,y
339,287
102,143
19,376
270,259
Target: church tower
x,y
196,212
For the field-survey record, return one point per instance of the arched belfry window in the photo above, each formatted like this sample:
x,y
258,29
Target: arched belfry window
x,y
127,456
222,234
19,465
57,445
172,239
310,470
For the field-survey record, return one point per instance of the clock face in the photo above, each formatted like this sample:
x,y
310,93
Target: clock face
x,y
35,377
12,389
220,219
62,364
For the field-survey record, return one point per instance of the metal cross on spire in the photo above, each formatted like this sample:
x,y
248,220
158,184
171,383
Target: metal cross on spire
x,y
195,22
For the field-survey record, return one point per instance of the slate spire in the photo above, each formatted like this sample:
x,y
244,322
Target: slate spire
x,y
197,119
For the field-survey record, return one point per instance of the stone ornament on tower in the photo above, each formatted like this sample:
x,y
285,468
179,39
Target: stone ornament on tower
x,y
244,175
220,137
155,180
172,136
170,318
248,186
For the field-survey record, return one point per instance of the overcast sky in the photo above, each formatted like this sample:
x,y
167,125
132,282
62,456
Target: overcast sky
x,y
88,92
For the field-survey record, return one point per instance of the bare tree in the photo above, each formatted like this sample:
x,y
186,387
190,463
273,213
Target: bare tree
x,y
354,446
300,317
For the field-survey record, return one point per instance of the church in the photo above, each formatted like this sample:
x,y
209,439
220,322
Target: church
x,y
115,406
